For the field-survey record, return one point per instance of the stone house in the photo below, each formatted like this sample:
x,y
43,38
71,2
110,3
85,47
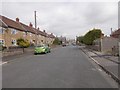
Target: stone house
x,y
41,37
30,33
3,27
11,30
50,38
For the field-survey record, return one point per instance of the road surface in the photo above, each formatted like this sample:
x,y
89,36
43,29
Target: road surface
x,y
64,67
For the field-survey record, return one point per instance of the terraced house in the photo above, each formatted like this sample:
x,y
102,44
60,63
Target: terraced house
x,y
11,30
50,38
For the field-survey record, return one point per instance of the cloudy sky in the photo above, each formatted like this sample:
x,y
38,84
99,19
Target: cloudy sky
x,y
68,19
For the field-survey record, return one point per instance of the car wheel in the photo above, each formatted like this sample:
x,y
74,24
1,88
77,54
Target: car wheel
x,y
35,53
45,52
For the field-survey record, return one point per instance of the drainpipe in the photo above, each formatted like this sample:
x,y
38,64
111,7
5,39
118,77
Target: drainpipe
x,y
119,47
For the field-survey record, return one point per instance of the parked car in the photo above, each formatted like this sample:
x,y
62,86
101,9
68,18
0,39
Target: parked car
x,y
42,49
63,44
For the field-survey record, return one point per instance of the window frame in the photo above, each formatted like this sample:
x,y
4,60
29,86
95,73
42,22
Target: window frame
x,y
13,31
3,42
14,42
2,30
30,34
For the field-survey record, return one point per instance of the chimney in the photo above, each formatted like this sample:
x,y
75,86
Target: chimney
x,y
102,35
111,31
44,31
17,19
30,24
38,28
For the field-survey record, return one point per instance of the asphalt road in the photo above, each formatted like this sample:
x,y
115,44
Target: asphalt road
x,y
64,67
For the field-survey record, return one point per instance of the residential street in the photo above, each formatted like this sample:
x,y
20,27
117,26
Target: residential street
x,y
64,67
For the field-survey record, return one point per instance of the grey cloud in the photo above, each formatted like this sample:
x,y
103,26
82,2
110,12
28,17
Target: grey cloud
x,y
101,12
65,18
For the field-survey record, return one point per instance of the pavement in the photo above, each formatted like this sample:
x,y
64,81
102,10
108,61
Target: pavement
x,y
64,67
108,62
107,56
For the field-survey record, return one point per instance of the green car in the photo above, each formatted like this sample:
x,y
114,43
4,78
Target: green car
x,y
41,49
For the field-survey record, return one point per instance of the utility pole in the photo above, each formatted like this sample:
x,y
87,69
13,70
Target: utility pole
x,y
111,30
35,28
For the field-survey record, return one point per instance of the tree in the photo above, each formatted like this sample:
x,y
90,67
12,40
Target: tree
x,y
56,41
91,36
79,39
23,43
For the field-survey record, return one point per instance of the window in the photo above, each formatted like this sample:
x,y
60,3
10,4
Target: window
x,y
31,41
30,34
24,34
1,42
13,31
1,30
14,42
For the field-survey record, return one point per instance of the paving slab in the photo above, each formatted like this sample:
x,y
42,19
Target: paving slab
x,y
108,65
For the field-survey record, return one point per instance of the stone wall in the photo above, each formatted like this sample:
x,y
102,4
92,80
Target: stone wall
x,y
108,44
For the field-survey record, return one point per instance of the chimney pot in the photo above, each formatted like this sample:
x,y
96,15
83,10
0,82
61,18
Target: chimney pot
x,y
17,19
38,28
30,24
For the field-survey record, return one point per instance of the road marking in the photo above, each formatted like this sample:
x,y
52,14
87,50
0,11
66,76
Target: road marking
x,y
100,69
93,69
16,59
3,63
95,60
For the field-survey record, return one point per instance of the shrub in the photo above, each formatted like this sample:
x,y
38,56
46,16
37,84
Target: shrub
x,y
56,41
23,43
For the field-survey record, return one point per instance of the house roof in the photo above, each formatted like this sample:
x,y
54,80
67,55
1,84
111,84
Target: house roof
x,y
2,24
11,23
40,32
32,30
28,28
51,35
6,22
116,33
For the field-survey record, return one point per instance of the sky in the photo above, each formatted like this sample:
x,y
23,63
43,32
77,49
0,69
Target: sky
x,y
65,18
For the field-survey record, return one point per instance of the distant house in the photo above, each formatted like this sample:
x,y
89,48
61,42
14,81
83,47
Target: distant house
x,y
116,33
62,39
